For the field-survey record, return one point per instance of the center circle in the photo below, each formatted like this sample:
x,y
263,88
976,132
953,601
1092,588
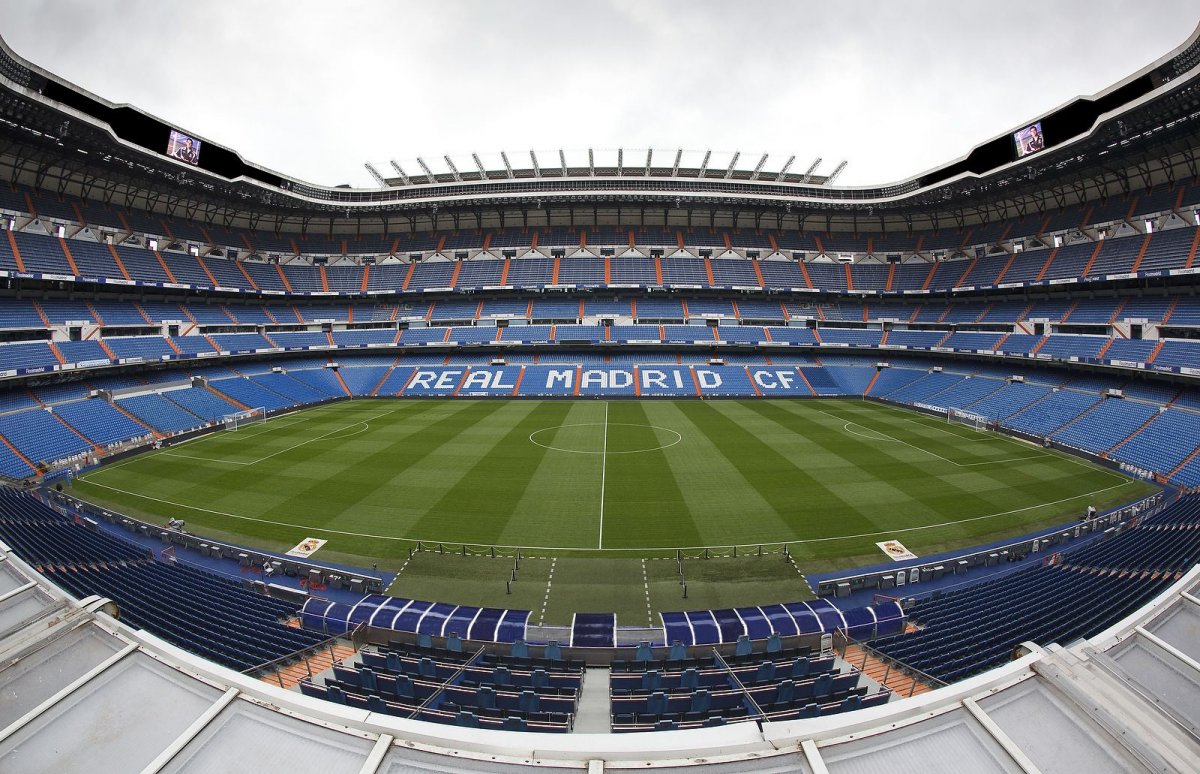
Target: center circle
x,y
579,440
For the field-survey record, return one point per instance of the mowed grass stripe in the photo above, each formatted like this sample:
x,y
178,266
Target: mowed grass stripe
x,y
267,494
938,492
927,443
725,507
1016,492
488,492
800,499
745,472
561,502
255,441
351,486
885,490
875,488
645,504
940,489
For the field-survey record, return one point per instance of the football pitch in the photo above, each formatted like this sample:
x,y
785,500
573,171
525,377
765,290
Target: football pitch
x,y
595,487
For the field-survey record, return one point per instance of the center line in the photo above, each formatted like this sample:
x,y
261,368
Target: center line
x,y
603,470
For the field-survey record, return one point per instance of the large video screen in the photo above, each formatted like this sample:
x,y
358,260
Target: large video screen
x,y
1029,140
184,148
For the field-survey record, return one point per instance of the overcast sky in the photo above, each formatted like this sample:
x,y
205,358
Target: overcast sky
x,y
314,89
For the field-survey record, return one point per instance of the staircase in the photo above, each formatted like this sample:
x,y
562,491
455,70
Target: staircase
x,y
897,679
288,673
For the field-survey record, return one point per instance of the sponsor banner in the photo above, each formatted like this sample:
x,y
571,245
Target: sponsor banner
x,y
896,551
307,547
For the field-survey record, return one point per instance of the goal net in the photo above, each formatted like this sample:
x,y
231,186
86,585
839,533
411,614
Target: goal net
x,y
242,418
967,418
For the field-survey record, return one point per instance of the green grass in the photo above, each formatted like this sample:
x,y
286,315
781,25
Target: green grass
x,y
605,481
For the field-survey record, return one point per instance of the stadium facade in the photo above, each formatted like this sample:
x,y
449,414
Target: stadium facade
x,y
155,284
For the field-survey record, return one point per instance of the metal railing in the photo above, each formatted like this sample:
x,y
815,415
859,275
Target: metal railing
x,y
357,639
758,711
898,677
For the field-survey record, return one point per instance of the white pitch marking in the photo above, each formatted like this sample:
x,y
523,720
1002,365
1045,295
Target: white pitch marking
x,y
321,437
546,599
527,547
982,434
678,438
202,459
1072,459
646,585
887,437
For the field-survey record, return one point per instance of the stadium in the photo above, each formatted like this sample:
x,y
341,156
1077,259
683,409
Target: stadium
x,y
598,461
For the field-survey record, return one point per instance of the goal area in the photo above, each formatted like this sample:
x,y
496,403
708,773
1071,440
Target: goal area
x,y
968,418
242,418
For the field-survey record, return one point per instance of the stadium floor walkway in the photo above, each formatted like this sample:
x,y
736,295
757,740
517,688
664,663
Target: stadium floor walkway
x,y
230,568
948,581
592,713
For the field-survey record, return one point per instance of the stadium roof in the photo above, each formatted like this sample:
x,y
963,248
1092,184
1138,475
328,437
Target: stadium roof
x,y
85,693
1138,132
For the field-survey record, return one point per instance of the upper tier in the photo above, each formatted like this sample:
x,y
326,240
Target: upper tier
x,y
756,262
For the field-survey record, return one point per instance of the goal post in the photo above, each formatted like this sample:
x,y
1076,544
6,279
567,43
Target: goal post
x,y
968,418
240,419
